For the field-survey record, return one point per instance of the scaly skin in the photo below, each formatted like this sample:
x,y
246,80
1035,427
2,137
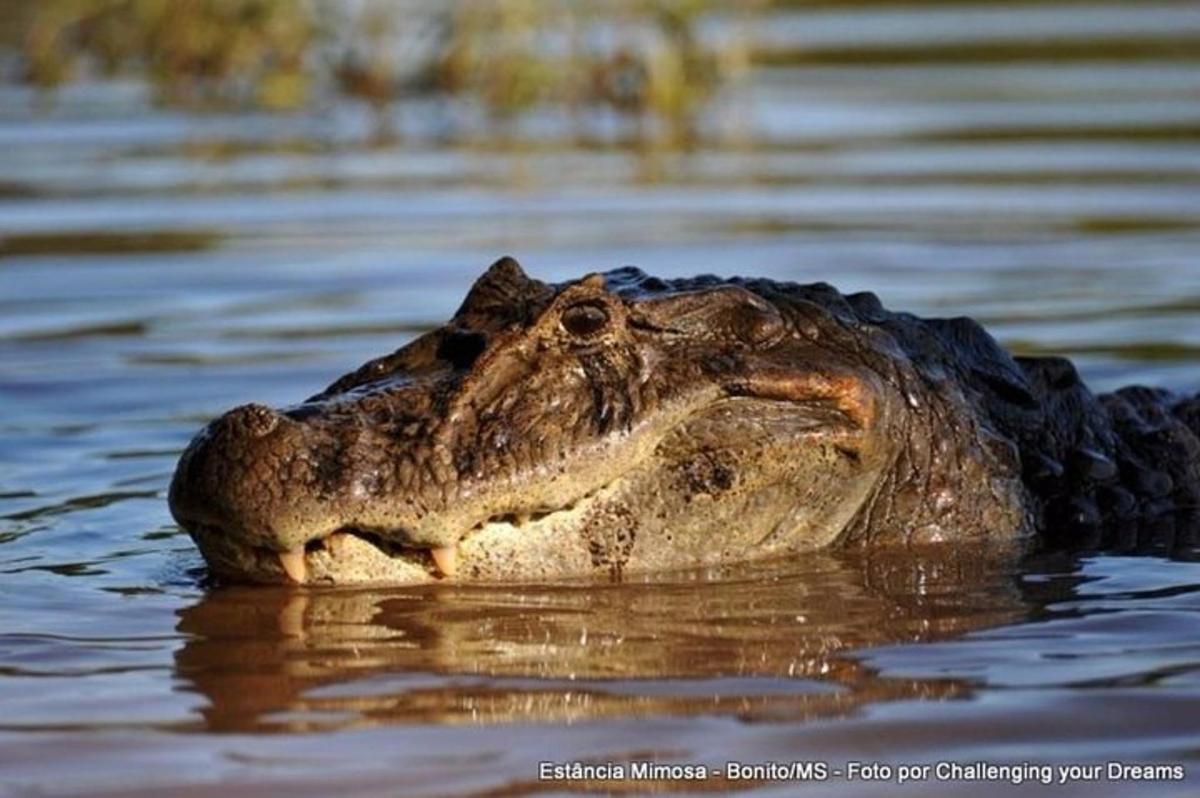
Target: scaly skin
x,y
626,423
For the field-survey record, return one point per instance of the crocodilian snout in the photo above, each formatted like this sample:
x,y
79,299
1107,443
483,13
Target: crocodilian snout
x,y
237,477
244,491
271,496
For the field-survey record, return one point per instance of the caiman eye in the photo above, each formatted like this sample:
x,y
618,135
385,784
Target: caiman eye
x,y
585,319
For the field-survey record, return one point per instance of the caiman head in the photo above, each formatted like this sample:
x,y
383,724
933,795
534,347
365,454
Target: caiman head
x,y
614,423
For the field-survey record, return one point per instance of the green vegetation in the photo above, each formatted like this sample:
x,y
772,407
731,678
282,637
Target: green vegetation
x,y
194,52
507,56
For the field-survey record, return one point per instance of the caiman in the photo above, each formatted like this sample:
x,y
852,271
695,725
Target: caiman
x,y
622,423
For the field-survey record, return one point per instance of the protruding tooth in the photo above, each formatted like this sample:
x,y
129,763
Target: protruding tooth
x,y
446,559
294,565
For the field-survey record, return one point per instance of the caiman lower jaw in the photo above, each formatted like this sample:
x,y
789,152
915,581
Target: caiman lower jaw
x,y
344,555
320,558
352,555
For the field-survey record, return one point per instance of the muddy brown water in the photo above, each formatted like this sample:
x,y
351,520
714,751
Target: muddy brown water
x,y
1036,166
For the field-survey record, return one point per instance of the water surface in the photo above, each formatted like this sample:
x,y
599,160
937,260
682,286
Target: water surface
x,y
1036,166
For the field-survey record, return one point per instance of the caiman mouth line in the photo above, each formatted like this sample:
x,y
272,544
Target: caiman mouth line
x,y
444,561
325,558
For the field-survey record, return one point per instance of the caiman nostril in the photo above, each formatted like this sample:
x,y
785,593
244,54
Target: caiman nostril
x,y
256,420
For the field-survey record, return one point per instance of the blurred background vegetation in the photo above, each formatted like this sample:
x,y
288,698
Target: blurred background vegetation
x,y
645,60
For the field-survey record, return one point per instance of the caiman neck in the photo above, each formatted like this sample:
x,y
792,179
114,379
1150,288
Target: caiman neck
x,y
1119,470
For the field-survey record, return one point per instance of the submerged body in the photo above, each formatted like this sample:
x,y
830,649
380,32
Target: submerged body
x,y
626,423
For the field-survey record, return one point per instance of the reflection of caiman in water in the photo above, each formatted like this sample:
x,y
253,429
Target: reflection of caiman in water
x,y
763,641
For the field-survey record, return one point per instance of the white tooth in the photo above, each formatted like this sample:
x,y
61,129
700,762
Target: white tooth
x,y
446,559
294,565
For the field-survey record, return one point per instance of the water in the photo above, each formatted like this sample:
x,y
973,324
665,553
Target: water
x,y
1036,166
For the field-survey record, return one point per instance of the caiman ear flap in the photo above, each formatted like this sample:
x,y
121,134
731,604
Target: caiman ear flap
x,y
504,293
